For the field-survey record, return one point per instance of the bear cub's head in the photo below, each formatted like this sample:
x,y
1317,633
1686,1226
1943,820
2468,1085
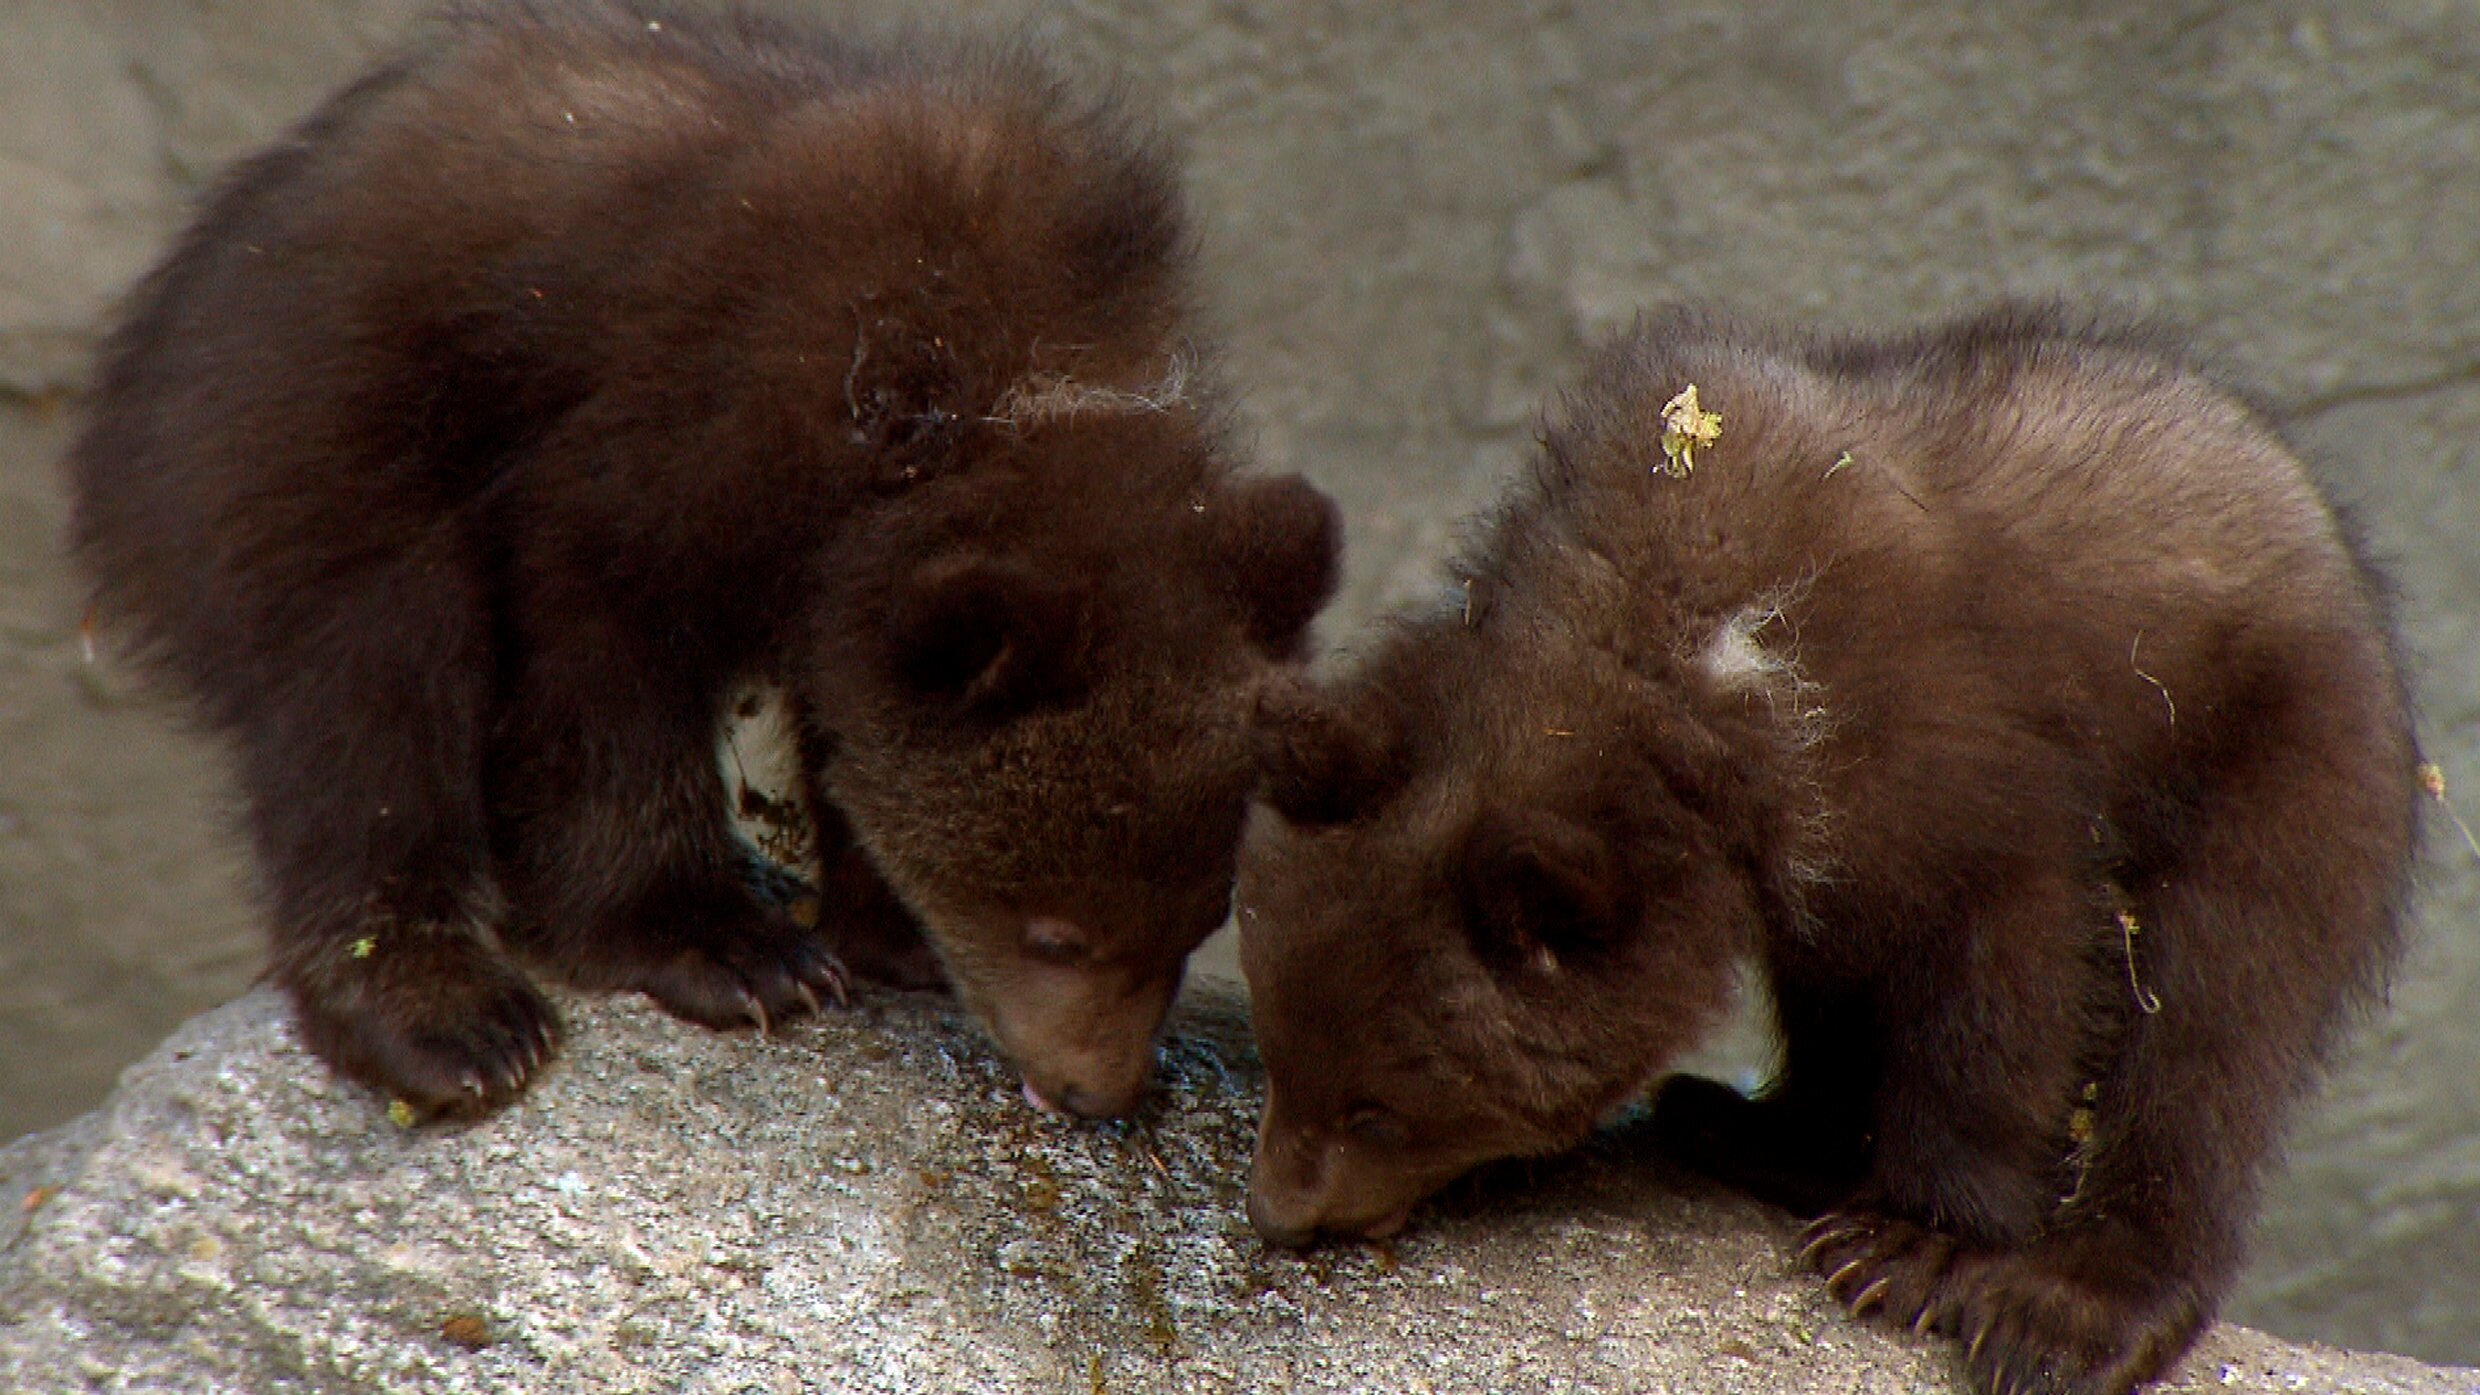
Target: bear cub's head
x,y
1042,738
1475,920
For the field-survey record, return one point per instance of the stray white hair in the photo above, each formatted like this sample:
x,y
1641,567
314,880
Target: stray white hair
x,y
1739,658
1041,397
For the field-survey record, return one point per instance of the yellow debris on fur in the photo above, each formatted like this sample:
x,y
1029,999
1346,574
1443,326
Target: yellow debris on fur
x,y
1686,428
2129,929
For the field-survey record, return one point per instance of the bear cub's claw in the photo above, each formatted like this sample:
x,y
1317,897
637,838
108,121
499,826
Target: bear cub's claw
x,y
718,950
873,932
759,971
1892,1269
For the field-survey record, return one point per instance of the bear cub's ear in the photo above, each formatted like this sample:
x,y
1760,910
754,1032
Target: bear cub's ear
x,y
1280,542
1540,889
1324,762
991,637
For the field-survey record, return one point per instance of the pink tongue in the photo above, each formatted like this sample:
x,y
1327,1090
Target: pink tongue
x,y
1034,1097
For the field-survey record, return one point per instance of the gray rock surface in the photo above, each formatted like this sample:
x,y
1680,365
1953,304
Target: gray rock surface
x,y
1415,216
864,1204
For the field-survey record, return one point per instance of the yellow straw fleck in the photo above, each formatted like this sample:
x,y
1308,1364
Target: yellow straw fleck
x,y
1686,428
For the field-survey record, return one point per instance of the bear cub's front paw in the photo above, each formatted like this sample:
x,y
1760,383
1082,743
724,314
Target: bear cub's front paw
x,y
2085,1310
425,1014
725,955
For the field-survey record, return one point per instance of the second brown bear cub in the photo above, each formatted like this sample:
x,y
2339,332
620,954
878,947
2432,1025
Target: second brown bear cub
x,y
586,361
2007,693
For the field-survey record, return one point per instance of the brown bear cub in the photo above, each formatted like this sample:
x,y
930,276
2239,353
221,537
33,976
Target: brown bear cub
x,y
2007,693
585,362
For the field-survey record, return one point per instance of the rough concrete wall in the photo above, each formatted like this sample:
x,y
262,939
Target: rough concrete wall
x,y
1416,216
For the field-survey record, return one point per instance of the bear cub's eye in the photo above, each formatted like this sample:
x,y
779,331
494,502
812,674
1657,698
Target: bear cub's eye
x,y
1055,941
1375,1125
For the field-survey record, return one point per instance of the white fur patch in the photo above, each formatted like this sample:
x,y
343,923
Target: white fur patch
x,y
1735,660
1756,653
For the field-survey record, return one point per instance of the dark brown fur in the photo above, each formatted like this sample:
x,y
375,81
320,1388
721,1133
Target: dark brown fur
x,y
584,362
1954,650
